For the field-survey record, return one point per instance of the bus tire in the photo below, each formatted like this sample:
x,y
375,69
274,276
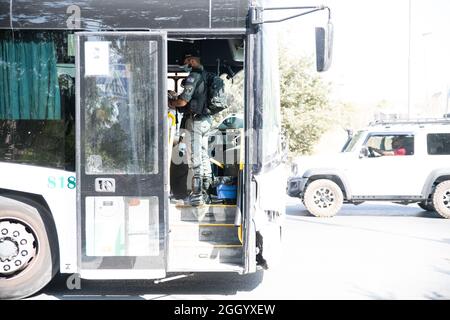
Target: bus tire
x,y
441,199
323,198
30,265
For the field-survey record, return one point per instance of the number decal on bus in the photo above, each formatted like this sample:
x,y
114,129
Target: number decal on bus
x,y
61,182
71,182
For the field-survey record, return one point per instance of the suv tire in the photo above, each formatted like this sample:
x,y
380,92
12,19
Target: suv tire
x,y
426,205
323,198
441,199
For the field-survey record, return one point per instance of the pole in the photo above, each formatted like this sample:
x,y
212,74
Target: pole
x,y
425,73
409,59
446,104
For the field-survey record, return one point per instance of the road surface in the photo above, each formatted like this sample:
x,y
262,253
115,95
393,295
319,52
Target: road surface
x,y
370,251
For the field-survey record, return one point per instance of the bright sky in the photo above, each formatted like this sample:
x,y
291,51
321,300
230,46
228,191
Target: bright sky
x,y
370,54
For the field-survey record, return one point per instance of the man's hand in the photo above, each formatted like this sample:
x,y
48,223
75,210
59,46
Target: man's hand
x,y
172,95
178,103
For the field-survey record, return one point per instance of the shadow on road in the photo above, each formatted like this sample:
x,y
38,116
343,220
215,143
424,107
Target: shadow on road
x,y
369,210
372,295
330,222
199,284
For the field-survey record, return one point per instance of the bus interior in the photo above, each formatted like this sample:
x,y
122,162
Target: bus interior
x,y
37,127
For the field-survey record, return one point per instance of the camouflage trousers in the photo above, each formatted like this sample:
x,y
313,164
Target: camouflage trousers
x,y
197,145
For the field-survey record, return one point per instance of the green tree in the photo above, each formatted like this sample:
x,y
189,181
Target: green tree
x,y
305,105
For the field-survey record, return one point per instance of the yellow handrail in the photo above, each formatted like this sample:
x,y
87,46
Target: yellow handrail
x,y
217,163
172,117
171,130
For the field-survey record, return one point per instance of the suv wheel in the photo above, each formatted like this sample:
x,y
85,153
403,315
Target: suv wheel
x,y
323,198
426,205
441,199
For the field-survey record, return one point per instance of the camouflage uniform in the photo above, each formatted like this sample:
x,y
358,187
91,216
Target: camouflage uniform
x,y
197,140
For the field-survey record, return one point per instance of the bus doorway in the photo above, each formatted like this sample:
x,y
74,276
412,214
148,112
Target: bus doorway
x,y
208,237
122,188
131,222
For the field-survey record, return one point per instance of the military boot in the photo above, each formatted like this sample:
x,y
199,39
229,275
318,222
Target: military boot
x,y
205,189
196,196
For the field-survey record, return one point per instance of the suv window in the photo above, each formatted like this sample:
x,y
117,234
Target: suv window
x,y
438,143
390,145
352,143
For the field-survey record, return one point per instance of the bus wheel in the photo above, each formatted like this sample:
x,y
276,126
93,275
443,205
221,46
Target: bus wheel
x,y
441,199
26,263
323,198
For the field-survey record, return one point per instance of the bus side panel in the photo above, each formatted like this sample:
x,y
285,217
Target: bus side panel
x,y
160,14
57,187
270,211
4,14
272,188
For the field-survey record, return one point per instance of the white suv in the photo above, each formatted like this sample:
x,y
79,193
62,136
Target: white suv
x,y
399,161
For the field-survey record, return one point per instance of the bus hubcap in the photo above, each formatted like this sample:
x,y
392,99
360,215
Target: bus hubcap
x,y
17,247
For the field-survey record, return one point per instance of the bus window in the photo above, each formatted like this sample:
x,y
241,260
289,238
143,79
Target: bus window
x,y
121,110
37,99
271,96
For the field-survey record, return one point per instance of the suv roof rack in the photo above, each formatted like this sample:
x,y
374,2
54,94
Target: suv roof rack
x,y
411,121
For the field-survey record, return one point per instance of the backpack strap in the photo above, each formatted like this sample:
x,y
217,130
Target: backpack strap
x,y
205,77
205,95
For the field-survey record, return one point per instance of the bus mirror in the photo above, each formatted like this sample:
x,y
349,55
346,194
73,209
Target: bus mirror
x,y
324,47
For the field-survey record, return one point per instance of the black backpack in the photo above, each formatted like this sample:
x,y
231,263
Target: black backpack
x,y
216,100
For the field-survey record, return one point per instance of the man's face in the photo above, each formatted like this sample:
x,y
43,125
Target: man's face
x,y
397,143
190,61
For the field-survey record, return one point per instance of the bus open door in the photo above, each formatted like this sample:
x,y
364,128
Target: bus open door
x,y
122,188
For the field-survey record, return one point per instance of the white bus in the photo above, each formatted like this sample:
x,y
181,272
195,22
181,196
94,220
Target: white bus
x,y
86,161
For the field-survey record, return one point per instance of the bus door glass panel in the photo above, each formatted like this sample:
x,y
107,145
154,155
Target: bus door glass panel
x,y
122,182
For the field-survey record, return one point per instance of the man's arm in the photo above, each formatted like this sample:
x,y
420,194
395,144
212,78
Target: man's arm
x,y
190,84
382,152
179,103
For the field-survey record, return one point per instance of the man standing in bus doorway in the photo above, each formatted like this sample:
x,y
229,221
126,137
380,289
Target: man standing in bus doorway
x,y
197,124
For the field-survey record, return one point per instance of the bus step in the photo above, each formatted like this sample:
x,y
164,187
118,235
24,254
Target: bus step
x,y
204,214
197,256
215,234
219,234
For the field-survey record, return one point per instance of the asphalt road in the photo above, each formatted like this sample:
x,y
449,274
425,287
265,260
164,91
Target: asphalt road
x,y
371,251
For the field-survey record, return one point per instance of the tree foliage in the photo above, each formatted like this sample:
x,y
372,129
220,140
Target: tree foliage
x,y
305,105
